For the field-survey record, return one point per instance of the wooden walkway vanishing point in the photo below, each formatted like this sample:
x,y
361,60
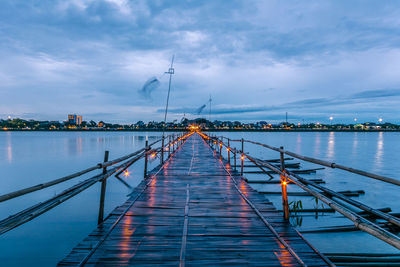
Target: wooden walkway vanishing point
x,y
195,211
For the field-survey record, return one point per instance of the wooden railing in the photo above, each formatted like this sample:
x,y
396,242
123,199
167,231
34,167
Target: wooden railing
x,y
326,195
109,167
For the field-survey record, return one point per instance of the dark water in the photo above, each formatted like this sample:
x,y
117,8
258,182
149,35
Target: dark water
x,y
29,158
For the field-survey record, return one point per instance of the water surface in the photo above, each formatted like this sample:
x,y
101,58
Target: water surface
x,y
29,158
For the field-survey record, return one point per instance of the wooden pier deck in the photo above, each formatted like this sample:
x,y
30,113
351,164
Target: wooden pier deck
x,y
193,212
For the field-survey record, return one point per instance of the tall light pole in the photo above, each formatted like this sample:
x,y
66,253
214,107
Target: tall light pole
x,y
331,118
170,72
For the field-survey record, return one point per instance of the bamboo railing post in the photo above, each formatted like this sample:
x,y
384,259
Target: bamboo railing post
x,y
169,146
162,150
234,158
242,159
103,191
214,144
285,203
229,152
146,156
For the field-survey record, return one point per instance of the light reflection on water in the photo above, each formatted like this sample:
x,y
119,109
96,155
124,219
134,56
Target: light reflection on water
x,y
379,152
298,143
9,148
331,146
317,144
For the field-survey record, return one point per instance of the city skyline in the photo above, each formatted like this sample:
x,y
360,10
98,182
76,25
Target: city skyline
x,y
256,59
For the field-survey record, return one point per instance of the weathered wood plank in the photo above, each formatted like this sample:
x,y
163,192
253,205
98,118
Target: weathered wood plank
x,y
220,228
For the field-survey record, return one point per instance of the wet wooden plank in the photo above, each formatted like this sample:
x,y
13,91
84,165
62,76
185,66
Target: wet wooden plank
x,y
221,228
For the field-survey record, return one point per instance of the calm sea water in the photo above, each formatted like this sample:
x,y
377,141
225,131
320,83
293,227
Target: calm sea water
x,y
29,158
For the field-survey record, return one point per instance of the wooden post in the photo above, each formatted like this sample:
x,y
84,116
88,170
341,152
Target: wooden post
x,y
242,159
285,203
234,158
103,191
229,152
146,155
162,150
220,149
173,144
169,146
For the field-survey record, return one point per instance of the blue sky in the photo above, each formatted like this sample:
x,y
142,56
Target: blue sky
x,y
258,59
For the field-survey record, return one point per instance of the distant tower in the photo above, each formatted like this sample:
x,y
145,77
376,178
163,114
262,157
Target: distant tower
x,y
170,72
209,113
286,118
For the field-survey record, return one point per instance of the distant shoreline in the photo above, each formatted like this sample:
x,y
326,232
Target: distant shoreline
x,y
206,130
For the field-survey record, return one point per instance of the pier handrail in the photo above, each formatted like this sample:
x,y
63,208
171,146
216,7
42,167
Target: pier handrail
x,y
329,164
37,187
126,161
360,222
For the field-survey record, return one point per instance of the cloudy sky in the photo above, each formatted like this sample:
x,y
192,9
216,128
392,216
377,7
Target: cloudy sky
x,y
258,59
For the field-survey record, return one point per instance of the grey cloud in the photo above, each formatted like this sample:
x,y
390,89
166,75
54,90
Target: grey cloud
x,y
377,93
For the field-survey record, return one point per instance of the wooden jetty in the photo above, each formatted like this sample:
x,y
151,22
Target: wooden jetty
x,y
194,210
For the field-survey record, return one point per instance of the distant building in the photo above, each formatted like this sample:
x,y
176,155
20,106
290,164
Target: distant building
x,y
74,119
100,124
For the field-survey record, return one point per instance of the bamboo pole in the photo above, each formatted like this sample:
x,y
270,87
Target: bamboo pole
x,y
169,146
36,210
234,158
115,161
146,157
378,213
34,188
111,228
242,159
229,152
332,165
285,203
162,151
103,191
360,222
257,165
269,226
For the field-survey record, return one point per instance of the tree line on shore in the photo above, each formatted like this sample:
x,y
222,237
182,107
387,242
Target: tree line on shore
x,y
21,124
